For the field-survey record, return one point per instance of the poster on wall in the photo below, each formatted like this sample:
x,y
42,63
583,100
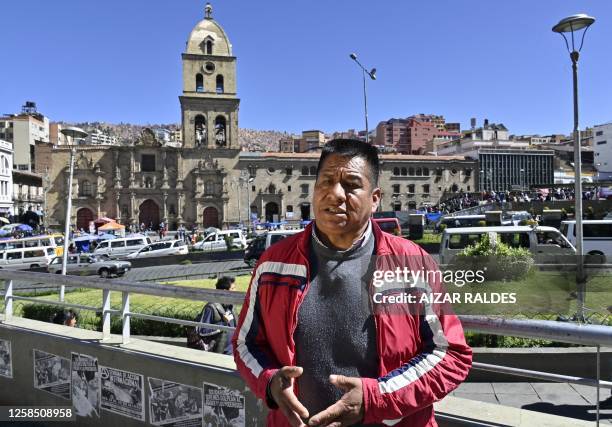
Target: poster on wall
x,y
174,405
122,392
222,406
85,385
6,364
52,373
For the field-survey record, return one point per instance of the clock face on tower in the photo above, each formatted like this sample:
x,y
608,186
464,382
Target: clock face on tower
x,y
208,68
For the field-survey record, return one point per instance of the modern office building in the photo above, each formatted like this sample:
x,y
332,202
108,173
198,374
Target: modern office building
x,y
602,151
6,179
24,130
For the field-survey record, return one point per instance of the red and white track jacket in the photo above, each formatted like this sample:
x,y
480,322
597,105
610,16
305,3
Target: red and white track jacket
x,y
422,357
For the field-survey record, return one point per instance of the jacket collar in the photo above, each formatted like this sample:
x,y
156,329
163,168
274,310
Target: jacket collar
x,y
380,238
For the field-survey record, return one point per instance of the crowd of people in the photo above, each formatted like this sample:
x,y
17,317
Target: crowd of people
x,y
467,200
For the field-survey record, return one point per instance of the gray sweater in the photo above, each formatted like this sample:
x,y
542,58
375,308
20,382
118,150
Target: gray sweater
x,y
335,331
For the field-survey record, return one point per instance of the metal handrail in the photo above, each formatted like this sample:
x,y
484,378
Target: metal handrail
x,y
126,288
594,335
572,333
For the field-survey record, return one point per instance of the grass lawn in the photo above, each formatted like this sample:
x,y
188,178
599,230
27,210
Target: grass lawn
x,y
541,294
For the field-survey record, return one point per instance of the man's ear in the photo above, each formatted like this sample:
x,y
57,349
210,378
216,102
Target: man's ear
x,y
376,195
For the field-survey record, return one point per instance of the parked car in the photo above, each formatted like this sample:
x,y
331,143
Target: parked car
x,y
215,241
90,265
390,225
117,248
163,248
515,217
259,244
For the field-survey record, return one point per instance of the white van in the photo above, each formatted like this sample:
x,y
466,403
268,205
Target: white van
x,y
547,244
117,248
22,259
596,239
215,241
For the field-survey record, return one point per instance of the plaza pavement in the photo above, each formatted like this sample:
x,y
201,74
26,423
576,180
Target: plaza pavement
x,y
562,399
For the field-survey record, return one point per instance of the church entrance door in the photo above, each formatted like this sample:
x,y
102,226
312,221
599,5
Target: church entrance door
x,y
149,214
210,217
84,217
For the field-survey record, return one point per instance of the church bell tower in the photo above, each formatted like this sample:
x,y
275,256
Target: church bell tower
x,y
209,106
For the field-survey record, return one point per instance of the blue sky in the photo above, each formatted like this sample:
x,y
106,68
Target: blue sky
x,y
119,60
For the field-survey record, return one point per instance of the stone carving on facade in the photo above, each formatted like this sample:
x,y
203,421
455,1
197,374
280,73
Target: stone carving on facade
x,y
84,162
208,164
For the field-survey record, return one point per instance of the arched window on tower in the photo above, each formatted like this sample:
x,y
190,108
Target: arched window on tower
x,y
220,88
201,138
313,170
220,131
209,47
199,83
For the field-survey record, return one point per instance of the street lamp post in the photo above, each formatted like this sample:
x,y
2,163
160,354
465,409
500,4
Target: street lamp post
x,y
570,25
75,133
372,74
249,180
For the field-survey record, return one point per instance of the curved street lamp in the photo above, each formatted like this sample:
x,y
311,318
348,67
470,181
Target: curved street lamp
x,y
372,74
572,26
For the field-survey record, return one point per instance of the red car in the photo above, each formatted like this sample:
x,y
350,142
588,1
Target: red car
x,y
390,225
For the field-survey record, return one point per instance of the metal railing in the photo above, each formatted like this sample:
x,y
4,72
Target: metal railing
x,y
581,334
126,288
563,332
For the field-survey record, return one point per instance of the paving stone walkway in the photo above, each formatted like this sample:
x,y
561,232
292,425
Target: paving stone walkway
x,y
563,399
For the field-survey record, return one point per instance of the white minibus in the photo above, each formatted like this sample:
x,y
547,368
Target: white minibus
x,y
546,244
596,239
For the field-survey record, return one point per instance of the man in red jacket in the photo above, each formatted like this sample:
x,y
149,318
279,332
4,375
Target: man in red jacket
x,y
316,338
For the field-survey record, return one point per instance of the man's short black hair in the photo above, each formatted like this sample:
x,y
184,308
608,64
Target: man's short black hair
x,y
225,283
353,148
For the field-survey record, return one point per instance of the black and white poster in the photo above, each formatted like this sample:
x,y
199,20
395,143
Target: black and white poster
x,y
122,392
222,406
174,405
52,373
85,385
6,365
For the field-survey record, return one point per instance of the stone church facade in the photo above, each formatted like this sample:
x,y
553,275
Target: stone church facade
x,y
207,180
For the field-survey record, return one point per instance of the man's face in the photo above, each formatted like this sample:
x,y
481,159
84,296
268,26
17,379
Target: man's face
x,y
344,198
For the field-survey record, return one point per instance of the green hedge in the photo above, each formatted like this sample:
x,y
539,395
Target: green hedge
x,y
93,321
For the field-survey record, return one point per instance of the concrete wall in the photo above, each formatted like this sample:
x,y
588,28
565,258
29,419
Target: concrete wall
x,y
152,360
192,368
